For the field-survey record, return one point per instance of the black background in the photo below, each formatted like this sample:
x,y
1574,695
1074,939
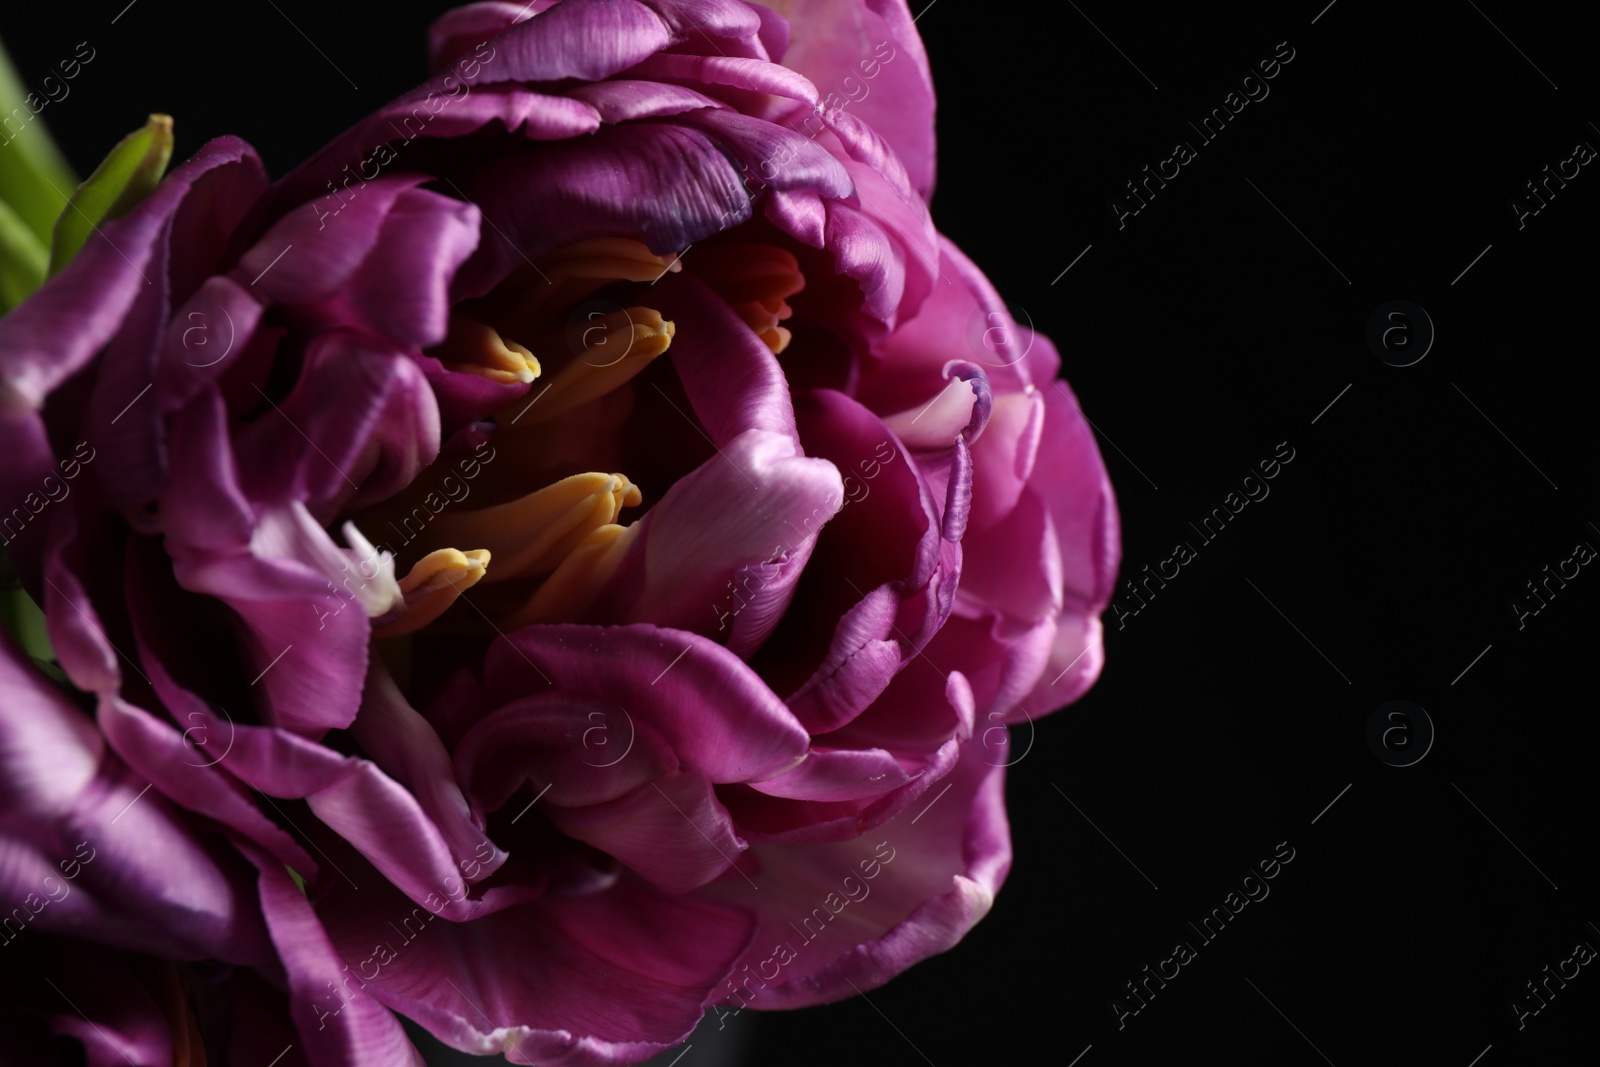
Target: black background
x,y
1213,326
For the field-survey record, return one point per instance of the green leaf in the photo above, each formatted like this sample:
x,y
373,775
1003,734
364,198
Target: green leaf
x,y
22,617
125,177
22,260
34,178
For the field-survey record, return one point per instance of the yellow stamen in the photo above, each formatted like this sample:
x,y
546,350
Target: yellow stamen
x,y
432,586
478,349
578,580
611,258
756,281
615,348
531,536
571,275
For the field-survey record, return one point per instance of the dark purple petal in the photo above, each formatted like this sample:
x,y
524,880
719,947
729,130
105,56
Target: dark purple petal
x,y
65,324
367,447
403,744
404,284
89,852
666,184
352,1029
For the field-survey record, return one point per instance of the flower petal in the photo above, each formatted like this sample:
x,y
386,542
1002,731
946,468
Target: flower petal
x,y
719,718
869,53
874,906
606,978
364,1033
671,831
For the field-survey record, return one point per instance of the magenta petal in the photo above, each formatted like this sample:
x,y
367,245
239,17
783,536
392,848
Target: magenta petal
x,y
76,631
52,336
204,338
56,332
585,41
693,544
869,55
404,285
1014,567
404,744
369,445
309,656
669,184
694,20
761,145
1072,479
128,434
574,751
800,213
869,908
671,831
179,768
328,241
1002,459
923,707
863,659
459,30
464,397
877,571
366,807
626,99
453,113
838,774
588,41
966,321
711,73
733,380
1076,654
865,253
603,979
276,568
719,717
205,510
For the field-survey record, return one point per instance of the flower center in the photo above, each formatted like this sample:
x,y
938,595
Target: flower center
x,y
554,549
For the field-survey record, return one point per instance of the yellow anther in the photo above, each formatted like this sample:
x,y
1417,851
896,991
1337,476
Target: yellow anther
x,y
531,536
432,586
478,349
578,580
616,347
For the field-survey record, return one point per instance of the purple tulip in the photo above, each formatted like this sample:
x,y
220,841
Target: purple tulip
x,y
585,523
